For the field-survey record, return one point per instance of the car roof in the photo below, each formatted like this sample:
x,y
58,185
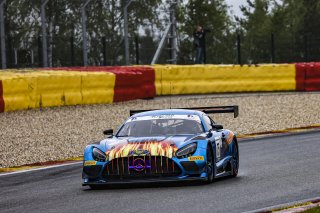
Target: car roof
x,y
168,112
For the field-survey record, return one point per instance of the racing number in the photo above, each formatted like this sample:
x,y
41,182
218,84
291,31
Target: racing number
x,y
218,147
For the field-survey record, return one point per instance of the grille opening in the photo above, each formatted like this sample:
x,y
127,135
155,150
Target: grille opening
x,y
136,167
92,171
190,166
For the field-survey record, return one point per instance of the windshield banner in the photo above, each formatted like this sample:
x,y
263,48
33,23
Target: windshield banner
x,y
159,117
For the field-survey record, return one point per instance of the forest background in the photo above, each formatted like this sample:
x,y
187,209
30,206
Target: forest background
x,y
266,31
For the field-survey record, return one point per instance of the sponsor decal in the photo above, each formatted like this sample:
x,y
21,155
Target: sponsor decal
x,y
90,163
159,117
218,141
194,158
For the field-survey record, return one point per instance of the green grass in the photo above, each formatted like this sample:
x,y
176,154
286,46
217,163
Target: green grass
x,y
313,210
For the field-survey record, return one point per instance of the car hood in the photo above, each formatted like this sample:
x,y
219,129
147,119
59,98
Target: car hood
x,y
156,146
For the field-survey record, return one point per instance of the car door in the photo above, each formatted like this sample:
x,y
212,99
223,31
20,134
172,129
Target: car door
x,y
219,141
216,138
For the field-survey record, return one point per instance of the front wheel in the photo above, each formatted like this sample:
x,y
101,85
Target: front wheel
x,y
235,159
210,165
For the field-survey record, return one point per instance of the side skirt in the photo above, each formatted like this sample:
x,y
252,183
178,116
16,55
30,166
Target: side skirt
x,y
223,174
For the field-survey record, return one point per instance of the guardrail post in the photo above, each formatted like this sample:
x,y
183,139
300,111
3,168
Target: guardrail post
x,y
72,49
272,49
15,57
137,49
104,52
173,36
84,32
44,33
239,49
2,35
39,51
126,39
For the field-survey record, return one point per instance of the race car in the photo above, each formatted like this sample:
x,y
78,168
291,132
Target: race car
x,y
164,145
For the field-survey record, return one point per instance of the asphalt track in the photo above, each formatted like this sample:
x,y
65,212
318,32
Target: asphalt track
x,y
273,171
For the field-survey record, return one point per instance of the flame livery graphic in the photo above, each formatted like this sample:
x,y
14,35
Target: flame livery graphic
x,y
153,148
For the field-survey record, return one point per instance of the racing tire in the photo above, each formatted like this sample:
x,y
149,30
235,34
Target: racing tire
x,y
210,165
235,159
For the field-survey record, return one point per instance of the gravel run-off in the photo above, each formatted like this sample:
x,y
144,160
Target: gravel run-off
x,y
50,134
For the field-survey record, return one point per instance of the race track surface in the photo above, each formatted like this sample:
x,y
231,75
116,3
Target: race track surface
x,y
272,171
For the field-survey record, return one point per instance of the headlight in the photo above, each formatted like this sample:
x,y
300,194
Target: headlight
x,y
98,155
187,150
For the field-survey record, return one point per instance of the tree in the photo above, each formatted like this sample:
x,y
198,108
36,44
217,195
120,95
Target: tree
x,y
21,23
256,30
292,22
212,14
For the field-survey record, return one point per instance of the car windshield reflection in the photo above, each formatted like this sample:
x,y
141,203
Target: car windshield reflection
x,y
160,127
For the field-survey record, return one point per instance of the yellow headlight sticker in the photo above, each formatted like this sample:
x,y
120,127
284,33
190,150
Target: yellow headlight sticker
x,y
90,163
194,158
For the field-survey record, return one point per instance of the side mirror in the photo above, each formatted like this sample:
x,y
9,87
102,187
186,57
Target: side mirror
x,y
209,135
108,132
217,126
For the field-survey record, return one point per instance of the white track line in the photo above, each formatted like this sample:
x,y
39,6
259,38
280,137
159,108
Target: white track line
x,y
41,168
285,205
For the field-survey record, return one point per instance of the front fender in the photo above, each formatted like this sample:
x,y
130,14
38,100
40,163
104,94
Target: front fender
x,y
88,151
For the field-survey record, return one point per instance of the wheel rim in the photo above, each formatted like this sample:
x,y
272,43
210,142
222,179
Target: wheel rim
x,y
235,158
209,164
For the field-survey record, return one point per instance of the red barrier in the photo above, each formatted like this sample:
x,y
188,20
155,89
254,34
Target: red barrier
x,y
300,76
1,98
308,76
127,86
312,77
131,82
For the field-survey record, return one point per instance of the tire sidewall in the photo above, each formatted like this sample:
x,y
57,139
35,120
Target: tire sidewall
x,y
212,174
235,170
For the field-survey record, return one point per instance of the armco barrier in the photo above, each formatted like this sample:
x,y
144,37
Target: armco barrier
x,y
308,76
300,76
203,79
97,88
133,82
15,93
312,77
25,89
51,88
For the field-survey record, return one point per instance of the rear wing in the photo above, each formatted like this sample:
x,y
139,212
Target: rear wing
x,y
207,110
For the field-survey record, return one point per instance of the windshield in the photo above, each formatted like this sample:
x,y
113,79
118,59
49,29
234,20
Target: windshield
x,y
161,125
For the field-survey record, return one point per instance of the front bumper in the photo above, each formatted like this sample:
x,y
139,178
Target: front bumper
x,y
160,169
155,169
87,182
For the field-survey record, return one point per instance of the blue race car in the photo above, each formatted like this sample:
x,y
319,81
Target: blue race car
x,y
164,145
